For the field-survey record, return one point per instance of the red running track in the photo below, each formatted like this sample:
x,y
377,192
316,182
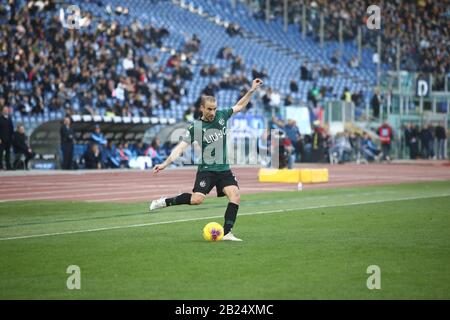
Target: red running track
x,y
135,186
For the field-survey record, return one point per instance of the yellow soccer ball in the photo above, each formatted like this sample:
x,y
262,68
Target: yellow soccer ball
x,y
213,232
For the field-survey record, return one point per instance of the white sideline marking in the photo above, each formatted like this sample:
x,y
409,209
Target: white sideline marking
x,y
213,217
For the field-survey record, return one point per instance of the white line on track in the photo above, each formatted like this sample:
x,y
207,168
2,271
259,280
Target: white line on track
x,y
213,217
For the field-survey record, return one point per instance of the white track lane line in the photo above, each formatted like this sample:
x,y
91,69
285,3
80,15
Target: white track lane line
x,y
221,216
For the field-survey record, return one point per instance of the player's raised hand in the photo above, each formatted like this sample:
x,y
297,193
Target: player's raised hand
x,y
256,84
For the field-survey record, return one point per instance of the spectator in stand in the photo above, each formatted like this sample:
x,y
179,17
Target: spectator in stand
x,y
204,71
97,136
369,148
441,137
67,141
266,100
386,135
304,73
192,45
233,30
209,90
293,86
407,137
139,148
431,151
375,104
306,155
292,132
288,101
313,96
154,152
191,114
112,158
6,133
327,71
225,53
414,142
237,65
318,139
341,149
93,157
24,106
427,137
353,63
423,137
356,141
21,147
335,57
289,152
259,73
346,96
241,95
174,61
358,99
124,154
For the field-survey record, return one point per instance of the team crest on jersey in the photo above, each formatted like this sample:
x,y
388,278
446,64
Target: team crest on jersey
x,y
221,121
203,183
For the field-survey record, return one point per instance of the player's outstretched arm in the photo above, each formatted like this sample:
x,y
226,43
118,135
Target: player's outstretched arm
x,y
246,98
176,152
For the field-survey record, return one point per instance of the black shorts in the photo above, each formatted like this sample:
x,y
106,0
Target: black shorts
x,y
206,180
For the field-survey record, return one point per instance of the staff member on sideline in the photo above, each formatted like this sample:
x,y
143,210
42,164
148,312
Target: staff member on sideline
x,y
6,132
20,146
67,141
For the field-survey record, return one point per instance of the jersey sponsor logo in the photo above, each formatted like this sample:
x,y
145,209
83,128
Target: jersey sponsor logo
x,y
214,135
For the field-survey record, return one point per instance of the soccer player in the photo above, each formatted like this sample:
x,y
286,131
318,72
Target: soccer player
x,y
213,170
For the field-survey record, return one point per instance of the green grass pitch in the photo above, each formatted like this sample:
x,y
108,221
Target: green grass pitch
x,y
313,244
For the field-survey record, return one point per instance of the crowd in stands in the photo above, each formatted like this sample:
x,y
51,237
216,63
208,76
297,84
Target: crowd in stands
x,y
15,140
124,155
108,67
359,145
426,142
234,77
421,27
101,153
43,65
